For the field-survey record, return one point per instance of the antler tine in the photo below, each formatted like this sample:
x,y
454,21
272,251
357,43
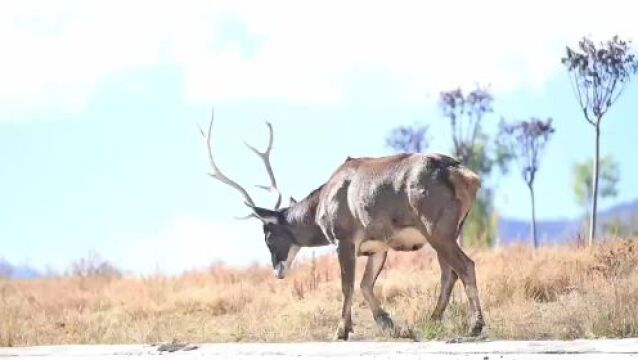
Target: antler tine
x,y
265,157
217,173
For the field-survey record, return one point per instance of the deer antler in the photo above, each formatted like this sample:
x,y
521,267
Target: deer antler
x,y
217,173
265,157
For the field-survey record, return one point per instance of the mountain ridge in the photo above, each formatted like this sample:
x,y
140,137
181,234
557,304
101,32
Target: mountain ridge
x,y
561,230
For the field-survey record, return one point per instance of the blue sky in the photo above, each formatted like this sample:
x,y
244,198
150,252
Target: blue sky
x,y
100,102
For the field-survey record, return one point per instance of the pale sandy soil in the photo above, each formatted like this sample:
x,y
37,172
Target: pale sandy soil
x,y
575,349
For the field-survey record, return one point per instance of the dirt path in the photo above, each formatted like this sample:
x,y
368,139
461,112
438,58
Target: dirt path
x,y
486,350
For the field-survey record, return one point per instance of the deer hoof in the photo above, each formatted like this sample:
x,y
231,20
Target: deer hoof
x,y
408,333
477,327
343,332
384,321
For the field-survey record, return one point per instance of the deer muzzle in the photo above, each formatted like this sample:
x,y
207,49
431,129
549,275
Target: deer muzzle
x,y
280,270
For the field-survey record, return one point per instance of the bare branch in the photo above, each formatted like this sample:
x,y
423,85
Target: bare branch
x,y
612,98
475,129
583,106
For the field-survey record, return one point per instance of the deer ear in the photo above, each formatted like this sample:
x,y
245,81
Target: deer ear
x,y
267,216
292,201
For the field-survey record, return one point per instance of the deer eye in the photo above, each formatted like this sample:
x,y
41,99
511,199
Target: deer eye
x,y
268,227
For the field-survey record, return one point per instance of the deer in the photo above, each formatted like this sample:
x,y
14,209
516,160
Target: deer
x,y
367,207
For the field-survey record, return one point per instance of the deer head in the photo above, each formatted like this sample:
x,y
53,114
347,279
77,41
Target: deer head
x,y
278,233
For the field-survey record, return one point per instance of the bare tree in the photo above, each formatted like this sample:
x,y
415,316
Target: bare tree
x,y
466,113
527,139
408,138
598,74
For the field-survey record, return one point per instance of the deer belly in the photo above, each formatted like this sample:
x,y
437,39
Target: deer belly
x,y
369,247
407,239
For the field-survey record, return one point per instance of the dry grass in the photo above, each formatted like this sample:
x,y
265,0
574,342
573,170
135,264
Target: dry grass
x,y
563,292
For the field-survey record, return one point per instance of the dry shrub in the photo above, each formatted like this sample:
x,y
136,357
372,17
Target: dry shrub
x,y
615,258
307,279
93,266
547,278
553,292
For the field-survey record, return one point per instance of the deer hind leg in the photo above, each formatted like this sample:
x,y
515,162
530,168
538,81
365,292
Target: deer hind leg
x,y
443,239
373,268
448,279
347,262
448,249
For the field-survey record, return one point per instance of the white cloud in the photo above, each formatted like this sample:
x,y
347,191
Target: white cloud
x,y
56,54
189,242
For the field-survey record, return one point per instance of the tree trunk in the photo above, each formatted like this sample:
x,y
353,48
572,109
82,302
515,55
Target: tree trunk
x,y
594,202
533,222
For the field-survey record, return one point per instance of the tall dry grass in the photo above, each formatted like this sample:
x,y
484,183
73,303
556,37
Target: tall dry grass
x,y
562,292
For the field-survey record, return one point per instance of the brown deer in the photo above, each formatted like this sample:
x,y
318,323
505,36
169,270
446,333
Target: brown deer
x,y
367,207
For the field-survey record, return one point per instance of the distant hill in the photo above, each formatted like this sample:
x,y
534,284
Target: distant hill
x,y
17,271
560,230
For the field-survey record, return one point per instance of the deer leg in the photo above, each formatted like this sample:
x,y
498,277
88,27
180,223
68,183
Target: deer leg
x,y
448,279
373,268
464,267
347,262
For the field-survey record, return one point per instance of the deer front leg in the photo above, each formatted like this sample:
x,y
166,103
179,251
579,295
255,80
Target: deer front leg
x,y
347,262
384,321
373,268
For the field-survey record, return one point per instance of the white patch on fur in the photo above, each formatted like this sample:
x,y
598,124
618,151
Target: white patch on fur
x,y
373,246
269,220
281,269
405,239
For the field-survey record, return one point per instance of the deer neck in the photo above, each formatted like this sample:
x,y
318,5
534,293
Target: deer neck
x,y
301,218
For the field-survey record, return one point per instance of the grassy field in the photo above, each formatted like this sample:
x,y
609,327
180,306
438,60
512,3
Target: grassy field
x,y
553,292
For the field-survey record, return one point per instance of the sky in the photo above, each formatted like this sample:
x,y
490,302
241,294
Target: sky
x,y
100,104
